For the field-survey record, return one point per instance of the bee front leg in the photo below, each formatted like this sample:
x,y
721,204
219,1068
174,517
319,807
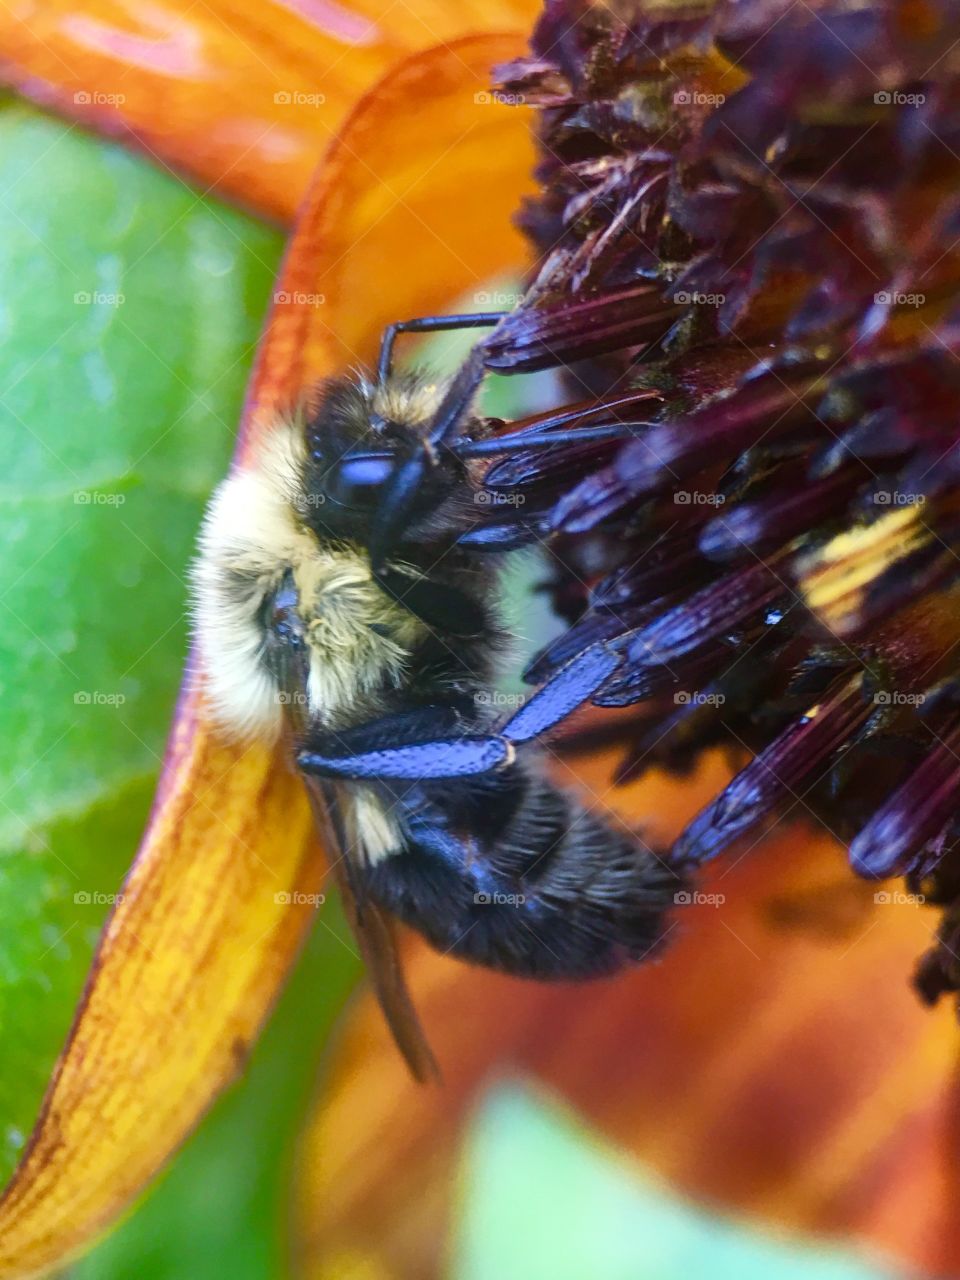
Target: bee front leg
x,y
430,324
441,607
404,489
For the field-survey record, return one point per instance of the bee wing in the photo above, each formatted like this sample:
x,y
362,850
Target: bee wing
x,y
375,934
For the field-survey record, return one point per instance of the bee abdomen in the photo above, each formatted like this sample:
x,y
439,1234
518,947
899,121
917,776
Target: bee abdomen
x,y
540,887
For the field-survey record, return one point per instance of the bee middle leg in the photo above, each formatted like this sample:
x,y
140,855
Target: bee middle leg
x,y
350,755
374,751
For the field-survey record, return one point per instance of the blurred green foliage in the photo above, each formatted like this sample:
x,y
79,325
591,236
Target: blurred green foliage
x,y
129,311
542,1199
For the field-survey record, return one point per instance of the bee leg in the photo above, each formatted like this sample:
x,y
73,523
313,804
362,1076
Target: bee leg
x,y
572,685
400,497
449,756
518,441
425,743
429,324
439,606
441,758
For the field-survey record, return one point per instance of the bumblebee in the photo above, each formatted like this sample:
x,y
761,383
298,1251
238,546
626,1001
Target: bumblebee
x,y
341,601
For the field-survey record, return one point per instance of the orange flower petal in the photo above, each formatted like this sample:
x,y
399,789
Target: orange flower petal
x,y
775,1061
396,225
243,97
193,956
188,966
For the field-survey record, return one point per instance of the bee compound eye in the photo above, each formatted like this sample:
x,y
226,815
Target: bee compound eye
x,y
357,481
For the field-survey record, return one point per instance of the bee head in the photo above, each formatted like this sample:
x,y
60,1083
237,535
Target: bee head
x,y
290,624
358,434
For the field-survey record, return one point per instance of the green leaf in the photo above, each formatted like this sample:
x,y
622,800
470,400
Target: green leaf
x,y
130,309
542,1199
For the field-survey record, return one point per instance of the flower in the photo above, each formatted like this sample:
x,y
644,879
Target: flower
x,y
718,230
772,1060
